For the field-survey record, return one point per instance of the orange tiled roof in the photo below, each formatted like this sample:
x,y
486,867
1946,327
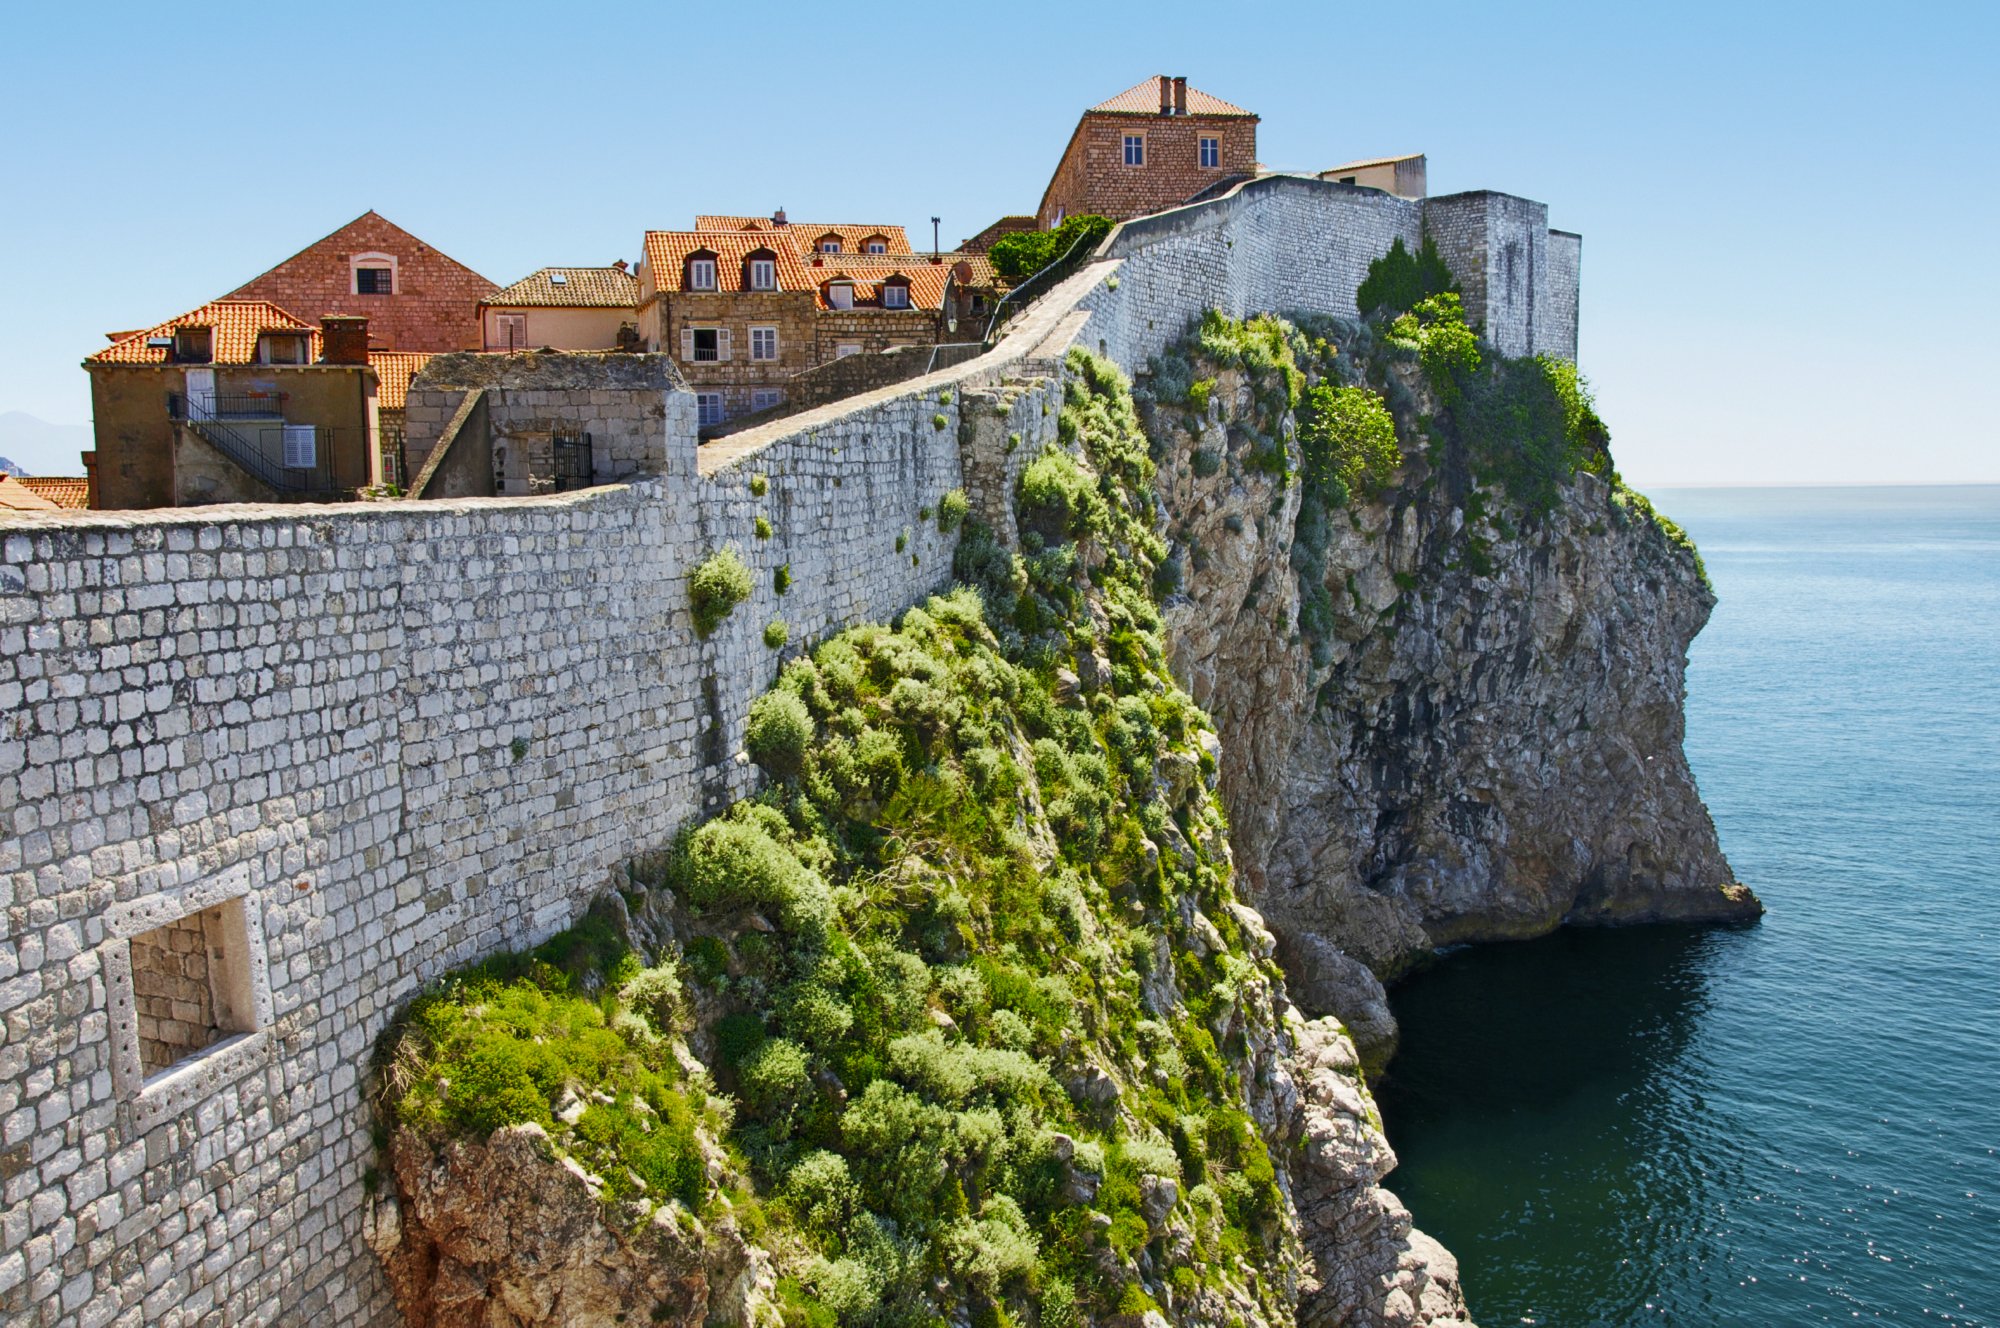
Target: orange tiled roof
x,y
18,497
667,253
62,490
393,371
1144,99
853,235
580,288
236,325
869,272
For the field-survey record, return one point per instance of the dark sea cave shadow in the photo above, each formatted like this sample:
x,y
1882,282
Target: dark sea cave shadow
x,y
1551,1128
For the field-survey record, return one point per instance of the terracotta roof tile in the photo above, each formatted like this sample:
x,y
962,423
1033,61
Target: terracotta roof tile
x,y
393,371
1144,99
62,490
870,272
236,325
667,253
18,497
853,235
580,288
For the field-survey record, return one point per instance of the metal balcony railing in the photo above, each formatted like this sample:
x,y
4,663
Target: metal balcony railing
x,y
292,459
235,406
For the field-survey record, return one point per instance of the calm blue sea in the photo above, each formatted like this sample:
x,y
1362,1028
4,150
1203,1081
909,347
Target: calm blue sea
x,y
1791,1123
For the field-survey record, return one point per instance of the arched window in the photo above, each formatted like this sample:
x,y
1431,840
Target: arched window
x,y
760,270
373,274
700,274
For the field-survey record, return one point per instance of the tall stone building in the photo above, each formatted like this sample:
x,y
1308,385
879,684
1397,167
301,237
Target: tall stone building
x,y
1151,147
414,296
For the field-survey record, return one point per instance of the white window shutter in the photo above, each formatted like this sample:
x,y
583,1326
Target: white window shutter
x,y
300,449
687,344
722,344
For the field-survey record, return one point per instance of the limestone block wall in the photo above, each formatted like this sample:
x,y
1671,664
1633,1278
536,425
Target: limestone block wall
x,y
1278,244
1557,331
1500,249
379,741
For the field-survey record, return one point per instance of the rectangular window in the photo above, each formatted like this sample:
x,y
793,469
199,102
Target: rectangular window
x,y
844,350
1211,153
191,986
701,274
764,398
877,247
301,446
763,274
707,344
840,295
281,348
829,246
374,281
510,332
709,404
1135,149
194,345
763,343
895,296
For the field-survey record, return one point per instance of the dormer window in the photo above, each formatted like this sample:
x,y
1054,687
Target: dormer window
x,y
874,244
282,348
895,295
763,273
194,345
840,294
701,273
828,244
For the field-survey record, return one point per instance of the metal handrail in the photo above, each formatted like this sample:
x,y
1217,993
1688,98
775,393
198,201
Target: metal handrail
x,y
1038,284
259,456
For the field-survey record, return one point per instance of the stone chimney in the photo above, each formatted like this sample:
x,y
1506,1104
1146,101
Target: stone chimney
x,y
1166,95
1180,94
778,218
618,266
343,339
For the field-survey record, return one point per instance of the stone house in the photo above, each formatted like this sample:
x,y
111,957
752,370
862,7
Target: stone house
x,y
237,401
1153,146
1403,176
564,308
817,237
413,296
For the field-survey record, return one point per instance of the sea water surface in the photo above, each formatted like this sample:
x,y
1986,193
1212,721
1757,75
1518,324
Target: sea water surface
x,y
1796,1122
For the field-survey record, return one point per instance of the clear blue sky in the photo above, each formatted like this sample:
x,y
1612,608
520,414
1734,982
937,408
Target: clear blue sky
x,y
1788,210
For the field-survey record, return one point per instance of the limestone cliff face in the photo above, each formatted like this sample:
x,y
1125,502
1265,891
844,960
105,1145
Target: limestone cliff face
x,y
1489,742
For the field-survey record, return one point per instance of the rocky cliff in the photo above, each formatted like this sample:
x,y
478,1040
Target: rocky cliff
x,y
965,1018
1448,714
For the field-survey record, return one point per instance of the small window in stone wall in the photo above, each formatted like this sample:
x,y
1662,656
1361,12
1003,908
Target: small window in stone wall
x,y
1135,149
191,985
1211,153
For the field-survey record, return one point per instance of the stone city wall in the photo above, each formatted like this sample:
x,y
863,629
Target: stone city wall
x,y
368,743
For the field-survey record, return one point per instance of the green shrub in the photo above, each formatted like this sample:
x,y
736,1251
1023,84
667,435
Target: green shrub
x,y
779,730
1398,281
781,579
1447,349
1020,254
759,484
940,421
952,510
1348,441
718,585
763,526
1199,392
776,633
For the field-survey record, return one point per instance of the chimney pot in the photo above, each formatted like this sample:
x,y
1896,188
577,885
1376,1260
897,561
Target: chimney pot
x,y
1166,95
1180,94
343,339
618,266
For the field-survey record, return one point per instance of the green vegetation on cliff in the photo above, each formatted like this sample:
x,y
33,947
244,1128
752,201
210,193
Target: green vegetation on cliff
x,y
972,969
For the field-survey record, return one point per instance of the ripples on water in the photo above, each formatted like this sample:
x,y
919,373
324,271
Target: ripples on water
x,y
1792,1123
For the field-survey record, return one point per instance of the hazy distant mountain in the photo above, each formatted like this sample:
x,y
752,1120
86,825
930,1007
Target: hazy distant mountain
x,y
9,468
40,448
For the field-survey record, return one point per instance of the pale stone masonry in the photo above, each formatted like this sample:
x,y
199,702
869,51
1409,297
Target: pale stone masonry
x,y
373,742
